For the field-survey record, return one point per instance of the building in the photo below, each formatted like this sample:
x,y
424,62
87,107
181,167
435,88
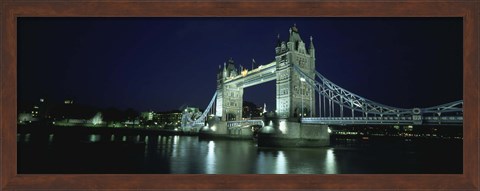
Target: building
x,y
36,112
251,111
160,119
147,116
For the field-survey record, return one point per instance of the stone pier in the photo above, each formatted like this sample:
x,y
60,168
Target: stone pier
x,y
291,133
276,133
218,129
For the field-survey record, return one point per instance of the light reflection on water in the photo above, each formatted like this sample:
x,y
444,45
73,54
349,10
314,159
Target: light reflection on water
x,y
27,137
330,164
210,162
191,155
50,138
94,138
281,163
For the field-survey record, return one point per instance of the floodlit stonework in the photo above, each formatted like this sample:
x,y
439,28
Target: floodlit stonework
x,y
292,93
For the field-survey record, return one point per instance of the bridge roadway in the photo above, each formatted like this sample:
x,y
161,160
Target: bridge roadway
x,y
427,120
261,74
245,122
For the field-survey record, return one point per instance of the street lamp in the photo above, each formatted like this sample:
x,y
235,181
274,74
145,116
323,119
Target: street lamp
x,y
302,80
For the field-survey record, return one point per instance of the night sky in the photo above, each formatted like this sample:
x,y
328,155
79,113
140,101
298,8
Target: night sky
x,y
163,64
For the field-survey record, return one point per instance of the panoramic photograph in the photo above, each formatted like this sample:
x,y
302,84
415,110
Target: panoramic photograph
x,y
277,95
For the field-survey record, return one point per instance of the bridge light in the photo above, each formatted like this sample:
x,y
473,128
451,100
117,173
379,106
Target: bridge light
x,y
302,79
283,126
244,72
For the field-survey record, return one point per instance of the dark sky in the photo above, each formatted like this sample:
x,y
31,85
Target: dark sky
x,y
164,63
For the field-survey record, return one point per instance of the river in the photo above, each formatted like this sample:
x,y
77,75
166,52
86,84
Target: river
x,y
176,154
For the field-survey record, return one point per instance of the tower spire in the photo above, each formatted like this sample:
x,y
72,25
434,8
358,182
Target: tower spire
x,y
312,48
278,40
294,28
311,43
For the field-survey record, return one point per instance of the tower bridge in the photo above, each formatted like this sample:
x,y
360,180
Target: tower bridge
x,y
299,88
293,98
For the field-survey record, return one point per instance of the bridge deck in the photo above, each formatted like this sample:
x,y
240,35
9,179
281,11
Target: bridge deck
x,y
428,120
262,74
244,122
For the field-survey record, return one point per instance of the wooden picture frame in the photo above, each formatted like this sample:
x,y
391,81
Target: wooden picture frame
x,y
11,10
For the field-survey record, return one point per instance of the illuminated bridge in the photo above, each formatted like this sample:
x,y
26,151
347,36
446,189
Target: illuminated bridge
x,y
299,87
369,112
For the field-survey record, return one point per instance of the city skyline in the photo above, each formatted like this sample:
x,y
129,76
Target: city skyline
x,y
165,63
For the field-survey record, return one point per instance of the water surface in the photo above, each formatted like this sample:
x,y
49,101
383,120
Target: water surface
x,y
191,155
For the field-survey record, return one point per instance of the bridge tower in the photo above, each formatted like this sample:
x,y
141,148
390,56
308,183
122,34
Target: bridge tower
x,y
229,96
293,92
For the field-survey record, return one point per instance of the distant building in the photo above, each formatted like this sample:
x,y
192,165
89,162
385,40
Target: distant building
x,y
168,118
25,118
250,110
33,113
96,120
68,102
147,116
